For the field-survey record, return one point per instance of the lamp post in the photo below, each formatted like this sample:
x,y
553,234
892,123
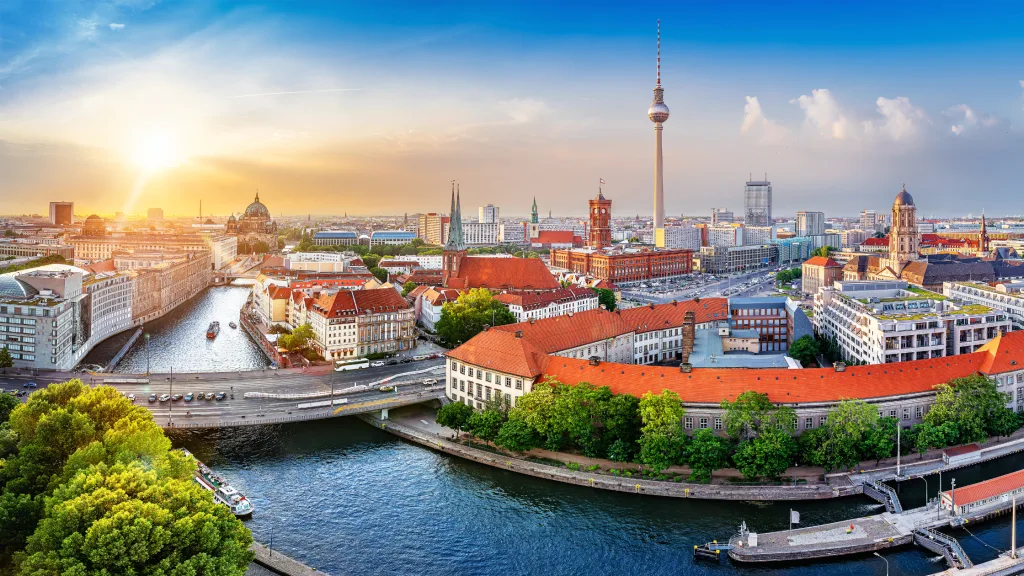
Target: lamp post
x,y
146,336
886,563
925,478
952,498
938,496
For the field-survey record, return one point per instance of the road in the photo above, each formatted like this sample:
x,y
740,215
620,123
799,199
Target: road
x,y
709,290
408,379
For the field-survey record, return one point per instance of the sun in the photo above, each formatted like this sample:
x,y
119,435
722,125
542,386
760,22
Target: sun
x,y
155,152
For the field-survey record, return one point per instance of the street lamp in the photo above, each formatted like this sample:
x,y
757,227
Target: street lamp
x,y
925,478
146,336
886,563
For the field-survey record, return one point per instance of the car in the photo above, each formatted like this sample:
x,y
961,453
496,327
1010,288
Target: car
x,y
419,357
29,385
176,397
406,360
209,396
189,397
377,364
165,397
221,396
152,397
131,397
392,362
429,381
386,388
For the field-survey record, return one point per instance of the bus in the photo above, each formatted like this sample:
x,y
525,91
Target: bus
x,y
354,364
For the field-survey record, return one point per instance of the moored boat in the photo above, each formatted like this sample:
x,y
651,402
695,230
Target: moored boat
x,y
223,493
213,330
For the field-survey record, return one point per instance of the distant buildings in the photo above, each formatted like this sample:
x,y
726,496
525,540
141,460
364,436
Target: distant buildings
x,y
725,235
1007,297
869,220
757,203
854,238
685,237
721,216
155,215
335,238
489,214
253,227
819,272
96,246
433,228
354,323
35,250
887,321
549,304
810,223
62,213
391,237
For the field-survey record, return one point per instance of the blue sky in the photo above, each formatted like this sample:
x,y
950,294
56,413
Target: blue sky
x,y
329,107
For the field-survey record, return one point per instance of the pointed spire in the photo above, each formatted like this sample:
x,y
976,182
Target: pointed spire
x,y
455,238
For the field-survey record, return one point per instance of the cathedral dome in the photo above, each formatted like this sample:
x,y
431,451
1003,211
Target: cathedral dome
x,y
256,210
904,198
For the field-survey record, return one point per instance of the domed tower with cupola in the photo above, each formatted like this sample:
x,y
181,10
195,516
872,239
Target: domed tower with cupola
x,y
904,239
254,225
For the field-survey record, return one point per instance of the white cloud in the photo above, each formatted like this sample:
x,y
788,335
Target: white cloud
x,y
964,117
754,121
902,118
824,115
116,26
524,110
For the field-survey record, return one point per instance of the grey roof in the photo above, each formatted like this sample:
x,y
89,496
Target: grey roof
x,y
11,287
935,273
707,353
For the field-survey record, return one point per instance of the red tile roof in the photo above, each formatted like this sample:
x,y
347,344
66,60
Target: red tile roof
x,y
101,267
504,352
354,302
571,330
988,488
822,261
875,242
436,296
279,292
1005,353
503,274
553,237
533,301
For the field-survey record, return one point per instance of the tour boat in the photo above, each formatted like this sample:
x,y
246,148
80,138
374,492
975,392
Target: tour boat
x,y
213,330
233,325
223,493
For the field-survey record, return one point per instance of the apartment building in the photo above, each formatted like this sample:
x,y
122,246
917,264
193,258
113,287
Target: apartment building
x,y
1007,297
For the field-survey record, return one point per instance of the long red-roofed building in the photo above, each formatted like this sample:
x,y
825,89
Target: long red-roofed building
x,y
495,363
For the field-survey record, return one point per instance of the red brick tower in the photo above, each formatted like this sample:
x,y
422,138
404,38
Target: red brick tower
x,y
600,222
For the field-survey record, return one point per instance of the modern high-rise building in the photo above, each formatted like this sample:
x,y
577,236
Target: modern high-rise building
x,y
658,113
489,214
155,214
810,223
62,213
869,220
757,203
721,216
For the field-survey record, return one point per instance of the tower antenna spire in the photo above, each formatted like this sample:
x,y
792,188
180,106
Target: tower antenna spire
x,y
659,52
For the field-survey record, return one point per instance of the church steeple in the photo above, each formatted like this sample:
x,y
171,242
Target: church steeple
x,y
983,237
534,218
455,247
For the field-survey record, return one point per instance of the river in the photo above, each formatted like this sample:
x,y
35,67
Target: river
x,y
178,340
348,498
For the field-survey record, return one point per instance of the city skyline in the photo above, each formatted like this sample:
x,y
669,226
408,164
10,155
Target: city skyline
x,y
127,106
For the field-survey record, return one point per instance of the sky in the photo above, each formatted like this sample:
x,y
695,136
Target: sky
x,y
368,108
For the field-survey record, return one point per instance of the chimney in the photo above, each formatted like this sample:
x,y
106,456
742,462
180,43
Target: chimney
x,y
532,320
697,299
840,366
519,333
487,327
674,303
689,333
595,360
651,305
570,314
603,307
686,367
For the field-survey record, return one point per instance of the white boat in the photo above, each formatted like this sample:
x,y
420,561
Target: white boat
x,y
223,493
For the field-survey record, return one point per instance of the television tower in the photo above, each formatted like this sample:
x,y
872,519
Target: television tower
x,y
658,113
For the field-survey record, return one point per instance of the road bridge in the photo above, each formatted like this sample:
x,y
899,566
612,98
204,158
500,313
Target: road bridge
x,y
276,395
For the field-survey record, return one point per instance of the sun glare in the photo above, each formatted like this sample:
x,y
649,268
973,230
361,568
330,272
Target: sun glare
x,y
155,152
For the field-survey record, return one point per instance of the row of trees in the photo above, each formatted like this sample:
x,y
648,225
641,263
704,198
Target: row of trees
x,y
89,485
787,276
759,437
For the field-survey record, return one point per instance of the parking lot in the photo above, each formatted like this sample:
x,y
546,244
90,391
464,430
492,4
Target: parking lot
x,y
753,283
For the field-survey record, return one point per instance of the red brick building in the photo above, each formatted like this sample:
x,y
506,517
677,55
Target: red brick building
x,y
621,267
600,222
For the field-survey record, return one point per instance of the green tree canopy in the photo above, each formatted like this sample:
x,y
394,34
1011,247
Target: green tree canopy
x,y
6,361
975,406
91,487
706,454
454,415
379,273
408,287
836,445
805,350
371,260
606,298
466,317
662,441
517,435
486,424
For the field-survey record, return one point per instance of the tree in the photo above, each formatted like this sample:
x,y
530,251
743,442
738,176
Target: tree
x,y
6,361
880,441
379,273
622,424
707,453
837,443
7,405
371,260
466,317
260,247
805,350
298,340
767,455
661,436
744,416
117,499
928,436
537,409
408,287
517,435
486,424
974,405
606,298
824,251
454,415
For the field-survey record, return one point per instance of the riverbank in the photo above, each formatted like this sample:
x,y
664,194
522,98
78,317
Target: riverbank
x,y
419,427
279,563
408,430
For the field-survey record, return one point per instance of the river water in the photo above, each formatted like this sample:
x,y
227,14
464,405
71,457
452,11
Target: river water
x,y
348,498
178,340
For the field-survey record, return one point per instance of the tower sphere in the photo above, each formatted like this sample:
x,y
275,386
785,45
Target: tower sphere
x,y
658,112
